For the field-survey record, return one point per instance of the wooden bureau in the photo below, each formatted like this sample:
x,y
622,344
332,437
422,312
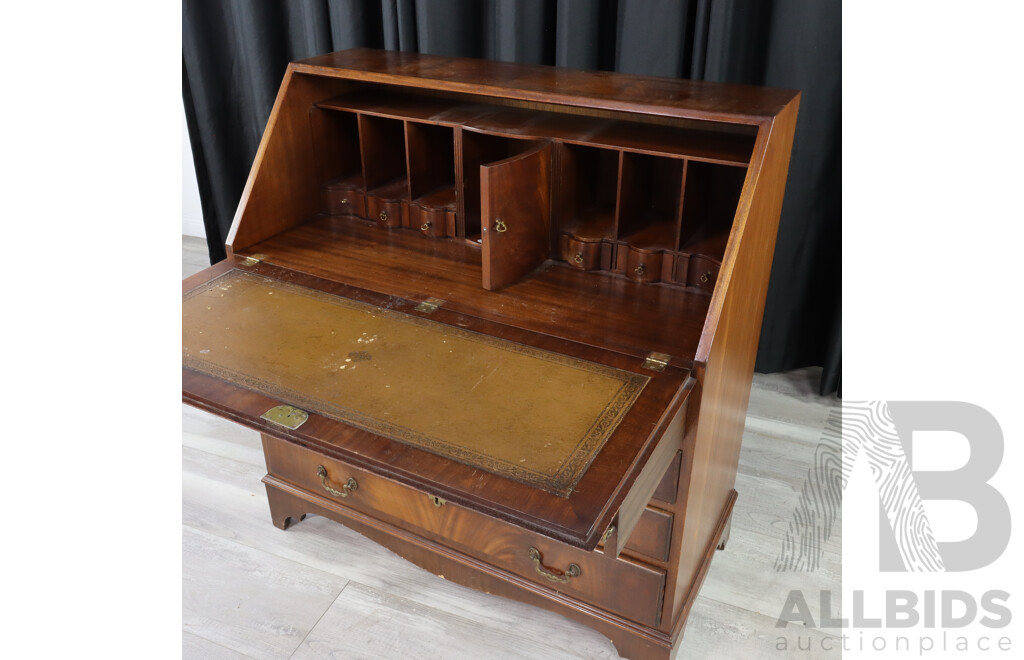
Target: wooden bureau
x,y
502,319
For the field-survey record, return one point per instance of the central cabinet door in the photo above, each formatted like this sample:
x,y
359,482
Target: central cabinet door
x,y
515,201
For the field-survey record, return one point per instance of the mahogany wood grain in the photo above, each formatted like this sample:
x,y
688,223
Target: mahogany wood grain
x,y
430,157
285,192
515,202
728,348
604,580
635,503
712,146
665,495
592,308
651,538
632,640
612,91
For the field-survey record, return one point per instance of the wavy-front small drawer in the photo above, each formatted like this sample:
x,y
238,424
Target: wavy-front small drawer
x,y
623,586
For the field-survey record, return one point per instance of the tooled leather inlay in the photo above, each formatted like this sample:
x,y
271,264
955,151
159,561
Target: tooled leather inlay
x,y
520,412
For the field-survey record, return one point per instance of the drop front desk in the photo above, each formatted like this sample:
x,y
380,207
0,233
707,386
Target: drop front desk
x,y
502,320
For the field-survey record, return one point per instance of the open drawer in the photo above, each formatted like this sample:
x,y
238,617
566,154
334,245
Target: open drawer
x,y
553,436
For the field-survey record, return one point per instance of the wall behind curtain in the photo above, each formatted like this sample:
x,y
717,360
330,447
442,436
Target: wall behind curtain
x,y
235,52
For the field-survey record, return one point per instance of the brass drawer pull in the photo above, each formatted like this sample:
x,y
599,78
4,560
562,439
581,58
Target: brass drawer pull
x,y
573,571
640,270
383,217
426,225
500,226
350,485
577,258
706,276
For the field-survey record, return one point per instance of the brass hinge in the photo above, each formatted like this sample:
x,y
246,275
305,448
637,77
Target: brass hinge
x,y
608,532
253,260
429,305
289,417
657,361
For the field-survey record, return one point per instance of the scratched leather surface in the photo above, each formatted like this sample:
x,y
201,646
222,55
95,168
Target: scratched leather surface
x,y
520,412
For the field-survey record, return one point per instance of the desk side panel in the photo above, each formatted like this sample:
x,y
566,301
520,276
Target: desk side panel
x,y
731,346
283,185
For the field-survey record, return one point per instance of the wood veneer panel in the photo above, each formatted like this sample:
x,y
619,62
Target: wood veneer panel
x,y
515,203
734,326
594,308
613,91
282,188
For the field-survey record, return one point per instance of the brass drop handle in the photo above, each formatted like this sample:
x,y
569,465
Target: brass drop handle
x,y
349,486
640,270
426,225
383,217
577,258
500,226
573,571
345,201
706,276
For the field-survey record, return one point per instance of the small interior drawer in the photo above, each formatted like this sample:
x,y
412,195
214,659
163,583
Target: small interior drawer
x,y
344,201
604,581
386,212
643,265
584,255
432,223
703,272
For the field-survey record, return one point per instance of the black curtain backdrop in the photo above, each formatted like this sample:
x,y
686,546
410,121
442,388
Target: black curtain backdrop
x,y
235,53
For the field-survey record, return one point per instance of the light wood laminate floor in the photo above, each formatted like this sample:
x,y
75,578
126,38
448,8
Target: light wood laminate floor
x,y
319,590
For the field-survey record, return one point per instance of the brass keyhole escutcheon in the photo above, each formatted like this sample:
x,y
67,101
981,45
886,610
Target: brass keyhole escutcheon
x,y
425,226
706,276
577,258
640,270
438,501
383,217
500,226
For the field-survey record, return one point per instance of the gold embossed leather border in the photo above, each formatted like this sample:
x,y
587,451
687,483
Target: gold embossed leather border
x,y
520,412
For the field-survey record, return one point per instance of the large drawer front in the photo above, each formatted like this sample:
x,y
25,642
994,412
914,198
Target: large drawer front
x,y
625,587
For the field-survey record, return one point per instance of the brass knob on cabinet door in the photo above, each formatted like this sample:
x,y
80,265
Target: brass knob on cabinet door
x,y
383,217
500,226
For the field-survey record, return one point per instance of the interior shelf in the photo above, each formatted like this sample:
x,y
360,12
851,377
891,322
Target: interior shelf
x,y
440,198
397,188
721,145
657,232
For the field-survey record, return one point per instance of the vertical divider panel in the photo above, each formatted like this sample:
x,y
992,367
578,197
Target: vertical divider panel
x,y
681,201
625,179
460,186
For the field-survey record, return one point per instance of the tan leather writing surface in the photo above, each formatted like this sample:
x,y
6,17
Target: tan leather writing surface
x,y
517,411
